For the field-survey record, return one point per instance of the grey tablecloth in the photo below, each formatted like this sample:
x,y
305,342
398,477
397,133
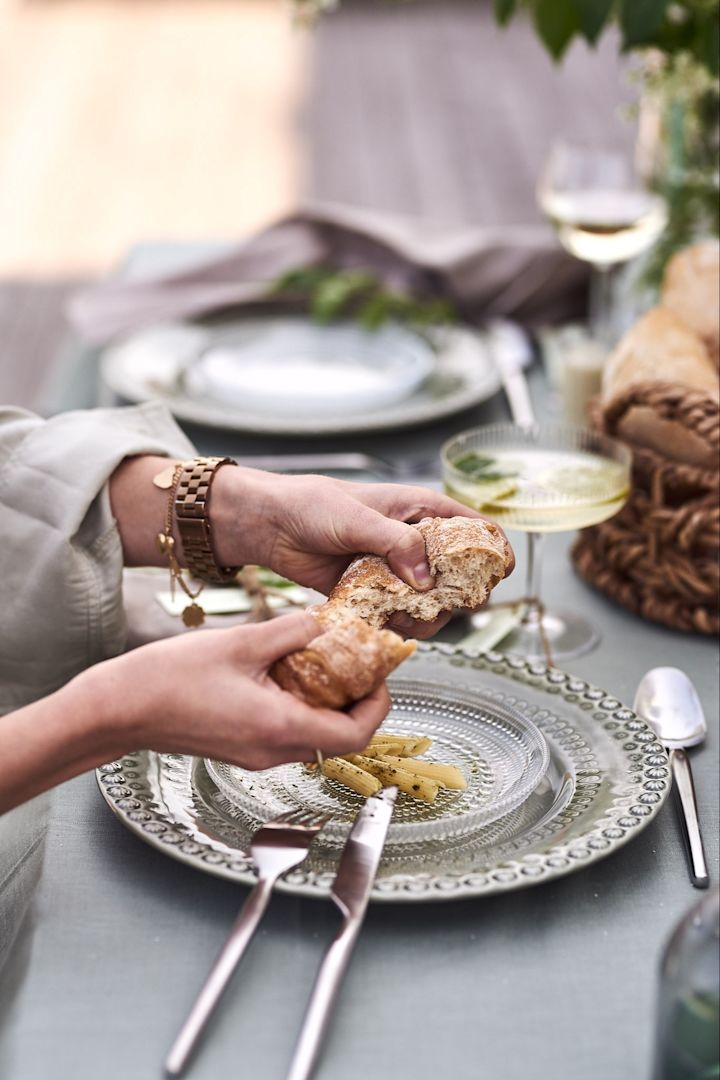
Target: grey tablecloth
x,y
557,981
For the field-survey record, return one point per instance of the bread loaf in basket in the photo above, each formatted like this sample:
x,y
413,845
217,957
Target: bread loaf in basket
x,y
659,556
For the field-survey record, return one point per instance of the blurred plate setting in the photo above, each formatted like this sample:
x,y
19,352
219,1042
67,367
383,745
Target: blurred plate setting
x,y
291,376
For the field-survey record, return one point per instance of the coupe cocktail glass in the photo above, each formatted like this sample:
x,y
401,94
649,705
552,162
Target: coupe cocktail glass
x,y
541,479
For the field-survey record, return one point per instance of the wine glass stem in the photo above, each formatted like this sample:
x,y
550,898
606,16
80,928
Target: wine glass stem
x,y
601,303
533,607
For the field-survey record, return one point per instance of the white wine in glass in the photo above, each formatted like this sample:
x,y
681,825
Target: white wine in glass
x,y
540,479
606,227
603,214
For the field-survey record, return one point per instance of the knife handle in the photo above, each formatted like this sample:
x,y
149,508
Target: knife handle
x,y
220,974
685,788
322,999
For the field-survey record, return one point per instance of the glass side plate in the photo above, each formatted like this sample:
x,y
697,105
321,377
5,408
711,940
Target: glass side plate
x,y
501,753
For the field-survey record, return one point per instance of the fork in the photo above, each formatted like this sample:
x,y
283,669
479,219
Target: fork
x,y
275,848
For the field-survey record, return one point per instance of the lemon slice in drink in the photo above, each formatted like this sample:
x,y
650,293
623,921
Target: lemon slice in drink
x,y
584,483
492,491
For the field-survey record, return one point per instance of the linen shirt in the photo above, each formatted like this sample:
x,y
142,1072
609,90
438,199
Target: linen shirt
x,y
61,581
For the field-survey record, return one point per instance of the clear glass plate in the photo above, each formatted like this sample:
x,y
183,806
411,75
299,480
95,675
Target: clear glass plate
x,y
501,753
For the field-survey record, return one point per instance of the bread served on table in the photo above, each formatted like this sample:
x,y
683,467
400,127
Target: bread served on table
x,y
341,665
690,290
467,558
661,350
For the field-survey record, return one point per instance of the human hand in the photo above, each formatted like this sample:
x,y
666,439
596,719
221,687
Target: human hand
x,y
309,527
209,694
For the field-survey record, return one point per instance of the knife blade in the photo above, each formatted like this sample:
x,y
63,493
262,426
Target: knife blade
x,y
351,892
511,352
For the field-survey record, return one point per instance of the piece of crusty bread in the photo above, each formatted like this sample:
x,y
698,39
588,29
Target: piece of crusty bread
x,y
467,558
690,290
660,348
341,665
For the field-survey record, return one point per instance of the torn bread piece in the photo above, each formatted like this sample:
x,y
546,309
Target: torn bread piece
x,y
341,665
467,558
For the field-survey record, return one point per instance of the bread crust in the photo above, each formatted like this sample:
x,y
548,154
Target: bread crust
x,y
467,557
691,285
343,664
659,348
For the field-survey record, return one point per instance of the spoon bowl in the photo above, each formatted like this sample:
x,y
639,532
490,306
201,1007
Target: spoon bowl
x,y
668,701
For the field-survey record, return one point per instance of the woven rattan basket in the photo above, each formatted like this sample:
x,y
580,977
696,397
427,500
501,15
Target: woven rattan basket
x,y
659,557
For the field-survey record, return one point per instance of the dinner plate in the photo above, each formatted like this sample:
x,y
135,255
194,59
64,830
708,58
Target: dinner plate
x,y
188,367
279,368
606,780
501,753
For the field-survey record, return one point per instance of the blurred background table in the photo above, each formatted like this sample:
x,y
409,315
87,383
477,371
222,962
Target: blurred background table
x,y
427,109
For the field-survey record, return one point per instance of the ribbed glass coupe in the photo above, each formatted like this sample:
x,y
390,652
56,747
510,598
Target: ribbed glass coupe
x,y
540,479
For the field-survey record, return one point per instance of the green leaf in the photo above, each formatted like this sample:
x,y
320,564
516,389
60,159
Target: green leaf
x,y
504,10
374,313
593,16
557,23
708,45
333,294
471,462
640,20
300,279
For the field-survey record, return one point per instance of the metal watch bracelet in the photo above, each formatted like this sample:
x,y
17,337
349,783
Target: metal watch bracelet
x,y
192,496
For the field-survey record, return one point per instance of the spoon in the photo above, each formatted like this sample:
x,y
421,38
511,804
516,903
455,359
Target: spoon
x,y
668,701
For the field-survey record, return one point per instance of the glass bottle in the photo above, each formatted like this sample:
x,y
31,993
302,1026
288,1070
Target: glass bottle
x,y
688,1017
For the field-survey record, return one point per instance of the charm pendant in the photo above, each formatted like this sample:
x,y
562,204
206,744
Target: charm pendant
x,y
164,479
165,543
193,615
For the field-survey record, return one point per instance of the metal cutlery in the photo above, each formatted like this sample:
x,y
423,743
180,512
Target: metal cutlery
x,y
511,353
669,703
350,892
344,462
276,847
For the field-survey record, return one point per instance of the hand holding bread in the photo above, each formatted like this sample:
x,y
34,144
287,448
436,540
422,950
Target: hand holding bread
x,y
467,556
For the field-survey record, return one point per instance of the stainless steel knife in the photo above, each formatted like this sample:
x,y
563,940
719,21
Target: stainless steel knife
x,y
351,892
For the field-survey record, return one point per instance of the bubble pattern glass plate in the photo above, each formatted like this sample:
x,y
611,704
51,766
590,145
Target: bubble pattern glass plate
x,y
607,780
501,753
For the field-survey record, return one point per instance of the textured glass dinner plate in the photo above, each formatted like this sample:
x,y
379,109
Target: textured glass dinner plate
x,y
502,755
606,780
156,364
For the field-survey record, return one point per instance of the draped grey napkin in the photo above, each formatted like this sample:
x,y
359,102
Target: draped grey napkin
x,y
518,273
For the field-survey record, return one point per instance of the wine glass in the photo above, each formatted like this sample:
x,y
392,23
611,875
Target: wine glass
x,y
540,479
604,214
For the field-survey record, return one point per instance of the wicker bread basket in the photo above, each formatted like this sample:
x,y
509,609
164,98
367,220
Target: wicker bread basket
x,y
659,556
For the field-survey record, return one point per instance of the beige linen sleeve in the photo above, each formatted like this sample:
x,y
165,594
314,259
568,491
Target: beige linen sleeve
x,y
61,581
60,556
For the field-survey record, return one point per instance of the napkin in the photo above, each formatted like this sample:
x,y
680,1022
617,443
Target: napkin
x,y
512,272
